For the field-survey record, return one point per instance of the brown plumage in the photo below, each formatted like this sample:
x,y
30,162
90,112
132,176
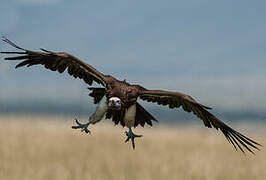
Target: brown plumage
x,y
142,116
128,93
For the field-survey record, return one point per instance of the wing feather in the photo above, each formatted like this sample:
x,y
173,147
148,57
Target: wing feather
x,y
176,99
56,61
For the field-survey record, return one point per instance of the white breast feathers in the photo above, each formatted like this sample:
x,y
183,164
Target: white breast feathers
x,y
130,115
100,111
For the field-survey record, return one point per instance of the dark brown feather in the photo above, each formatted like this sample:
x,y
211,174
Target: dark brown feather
x,y
97,94
142,116
56,62
176,99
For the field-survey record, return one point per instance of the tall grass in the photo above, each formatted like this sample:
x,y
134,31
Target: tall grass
x,y
47,148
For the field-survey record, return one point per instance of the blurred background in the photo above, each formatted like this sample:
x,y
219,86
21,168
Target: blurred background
x,y
211,50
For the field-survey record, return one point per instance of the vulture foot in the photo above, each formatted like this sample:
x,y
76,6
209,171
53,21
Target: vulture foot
x,y
132,136
83,127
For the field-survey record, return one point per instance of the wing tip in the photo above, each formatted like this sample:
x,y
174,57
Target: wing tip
x,y
242,142
17,66
207,107
6,40
47,51
3,38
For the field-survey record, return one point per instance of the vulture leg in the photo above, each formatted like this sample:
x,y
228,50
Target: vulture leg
x,y
132,136
95,117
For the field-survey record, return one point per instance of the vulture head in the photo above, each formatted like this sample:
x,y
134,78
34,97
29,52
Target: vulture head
x,y
114,103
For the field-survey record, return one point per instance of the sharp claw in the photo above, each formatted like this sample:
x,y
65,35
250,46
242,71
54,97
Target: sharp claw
x,y
87,131
133,143
83,127
132,136
127,139
75,127
78,122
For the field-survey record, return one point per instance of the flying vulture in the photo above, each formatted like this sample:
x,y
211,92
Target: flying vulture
x,y
118,100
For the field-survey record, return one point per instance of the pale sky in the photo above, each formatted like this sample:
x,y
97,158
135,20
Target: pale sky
x,y
212,50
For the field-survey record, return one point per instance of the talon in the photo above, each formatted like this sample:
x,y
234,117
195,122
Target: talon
x,y
132,136
87,131
127,139
83,127
127,136
77,121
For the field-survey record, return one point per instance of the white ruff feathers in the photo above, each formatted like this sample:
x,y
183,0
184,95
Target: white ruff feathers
x,y
114,99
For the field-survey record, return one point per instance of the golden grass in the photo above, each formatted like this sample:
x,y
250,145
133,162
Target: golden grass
x,y
47,148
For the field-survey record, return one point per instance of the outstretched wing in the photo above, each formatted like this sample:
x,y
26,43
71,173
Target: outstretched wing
x,y
56,62
176,100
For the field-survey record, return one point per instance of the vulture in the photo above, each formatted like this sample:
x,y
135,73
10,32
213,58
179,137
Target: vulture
x,y
118,100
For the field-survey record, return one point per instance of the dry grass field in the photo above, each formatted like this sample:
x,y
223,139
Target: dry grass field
x,y
40,148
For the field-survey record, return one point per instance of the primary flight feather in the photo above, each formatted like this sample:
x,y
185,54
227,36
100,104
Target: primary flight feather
x,y
117,100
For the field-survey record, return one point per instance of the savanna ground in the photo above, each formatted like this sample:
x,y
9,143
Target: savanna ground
x,y
38,148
